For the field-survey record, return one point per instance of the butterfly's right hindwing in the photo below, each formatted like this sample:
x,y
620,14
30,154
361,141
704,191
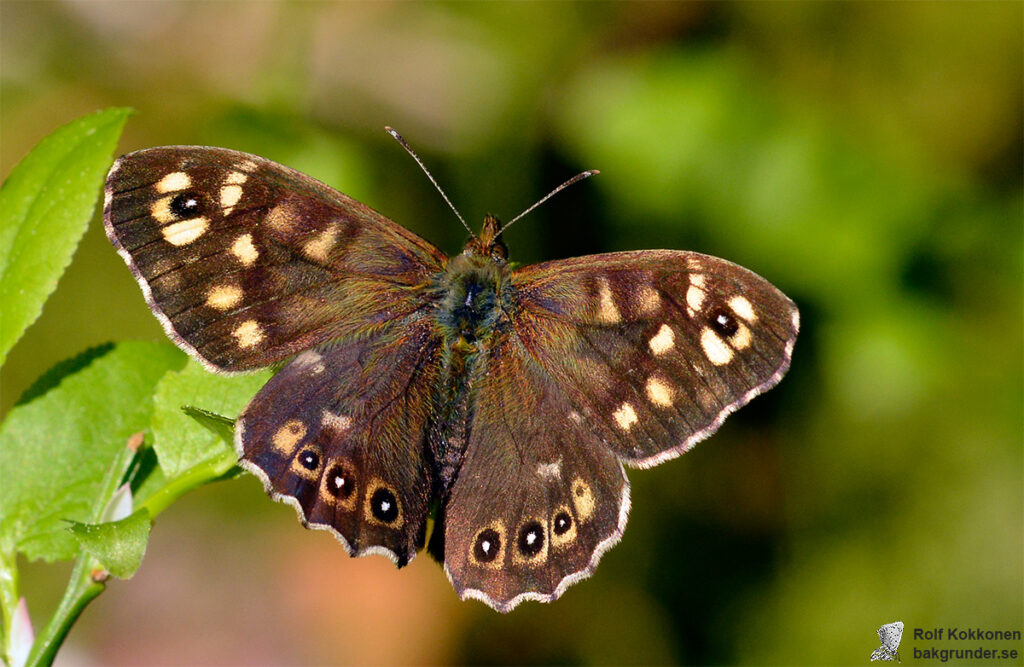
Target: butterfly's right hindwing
x,y
246,262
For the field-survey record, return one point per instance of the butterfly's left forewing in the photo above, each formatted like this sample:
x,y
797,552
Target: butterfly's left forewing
x,y
247,262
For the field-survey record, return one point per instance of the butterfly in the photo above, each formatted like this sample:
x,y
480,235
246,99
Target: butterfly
x,y
890,634
503,402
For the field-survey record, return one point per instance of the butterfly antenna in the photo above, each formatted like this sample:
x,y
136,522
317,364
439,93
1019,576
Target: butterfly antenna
x,y
575,179
394,133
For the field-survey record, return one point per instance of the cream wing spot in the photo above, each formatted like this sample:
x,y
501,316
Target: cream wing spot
x,y
695,294
173,182
625,416
335,422
648,300
319,247
222,297
714,347
741,339
236,178
244,250
248,333
186,231
583,499
229,196
280,218
311,362
161,210
663,341
287,438
550,470
742,307
660,392
608,312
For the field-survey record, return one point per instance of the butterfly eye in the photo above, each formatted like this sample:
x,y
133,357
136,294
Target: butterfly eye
x,y
531,538
185,204
499,251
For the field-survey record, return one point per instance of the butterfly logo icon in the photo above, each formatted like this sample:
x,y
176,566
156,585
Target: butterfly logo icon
x,y
890,634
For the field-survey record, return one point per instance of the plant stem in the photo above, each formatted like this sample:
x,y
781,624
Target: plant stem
x,y
81,590
197,475
83,587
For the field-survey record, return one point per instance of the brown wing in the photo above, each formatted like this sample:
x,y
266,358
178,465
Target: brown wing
x,y
246,262
538,498
339,434
655,348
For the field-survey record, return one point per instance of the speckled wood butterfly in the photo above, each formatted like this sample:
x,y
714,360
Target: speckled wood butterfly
x,y
505,401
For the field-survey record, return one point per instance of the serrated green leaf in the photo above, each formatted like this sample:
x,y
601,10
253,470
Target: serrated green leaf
x,y
219,425
56,449
118,545
45,206
179,440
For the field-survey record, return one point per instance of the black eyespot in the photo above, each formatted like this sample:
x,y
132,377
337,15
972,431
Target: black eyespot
x,y
185,204
487,546
384,505
309,459
340,482
531,538
563,522
723,322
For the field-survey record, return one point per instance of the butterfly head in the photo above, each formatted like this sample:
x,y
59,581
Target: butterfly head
x,y
489,243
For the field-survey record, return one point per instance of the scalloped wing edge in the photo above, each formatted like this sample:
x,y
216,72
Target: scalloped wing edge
x,y
294,503
710,429
602,547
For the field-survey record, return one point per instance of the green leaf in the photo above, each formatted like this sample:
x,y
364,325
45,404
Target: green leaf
x,y
219,425
118,545
45,206
180,441
56,449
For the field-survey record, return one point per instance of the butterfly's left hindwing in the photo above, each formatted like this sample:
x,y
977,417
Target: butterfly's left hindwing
x,y
246,262
339,433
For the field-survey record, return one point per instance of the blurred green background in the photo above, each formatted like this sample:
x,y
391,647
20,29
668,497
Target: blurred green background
x,y
864,157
